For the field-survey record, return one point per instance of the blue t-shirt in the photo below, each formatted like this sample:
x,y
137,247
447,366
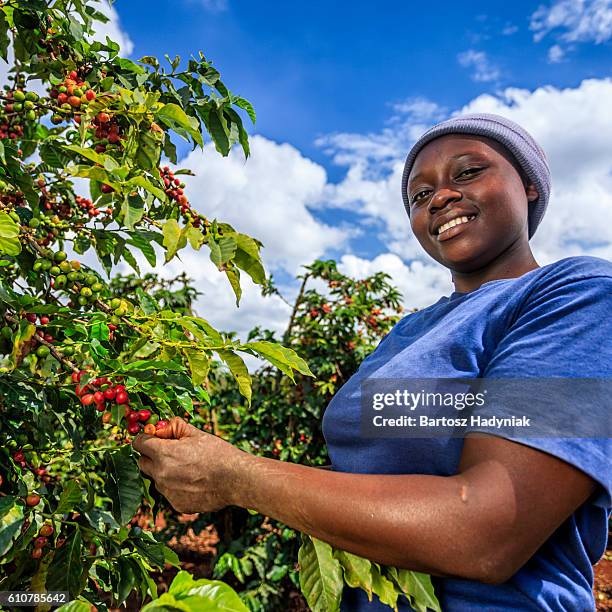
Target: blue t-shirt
x,y
554,321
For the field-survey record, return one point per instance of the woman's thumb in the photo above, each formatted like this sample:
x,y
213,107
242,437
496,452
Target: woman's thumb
x,y
176,429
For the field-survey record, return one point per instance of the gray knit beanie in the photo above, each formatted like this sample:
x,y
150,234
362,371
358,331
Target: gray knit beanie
x,y
528,154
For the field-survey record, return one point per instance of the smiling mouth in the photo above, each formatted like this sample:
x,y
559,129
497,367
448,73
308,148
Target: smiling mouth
x,y
454,227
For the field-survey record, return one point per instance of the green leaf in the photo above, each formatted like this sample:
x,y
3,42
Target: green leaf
x,y
11,519
195,237
199,364
175,117
150,60
174,239
217,126
285,359
320,575
148,150
248,258
99,330
124,484
204,594
169,149
417,586
129,65
88,153
127,570
233,275
131,260
70,497
239,371
143,243
67,570
197,325
132,209
357,571
245,105
384,588
4,37
141,181
147,303
53,155
9,236
223,250
243,136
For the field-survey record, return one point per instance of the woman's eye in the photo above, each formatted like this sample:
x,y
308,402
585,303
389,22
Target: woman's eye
x,y
416,197
470,170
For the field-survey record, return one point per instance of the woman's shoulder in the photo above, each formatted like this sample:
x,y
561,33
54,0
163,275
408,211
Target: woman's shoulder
x,y
565,275
577,267
569,283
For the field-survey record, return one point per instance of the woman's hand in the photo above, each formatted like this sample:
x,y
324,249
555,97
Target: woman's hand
x,y
195,471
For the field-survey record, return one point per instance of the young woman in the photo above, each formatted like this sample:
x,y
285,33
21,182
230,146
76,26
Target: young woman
x,y
501,522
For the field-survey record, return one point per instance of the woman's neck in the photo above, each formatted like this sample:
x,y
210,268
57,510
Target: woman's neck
x,y
513,263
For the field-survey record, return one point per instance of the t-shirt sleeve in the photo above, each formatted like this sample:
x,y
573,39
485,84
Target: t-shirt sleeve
x,y
563,329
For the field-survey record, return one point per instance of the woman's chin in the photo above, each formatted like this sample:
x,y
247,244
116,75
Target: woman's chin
x,y
456,255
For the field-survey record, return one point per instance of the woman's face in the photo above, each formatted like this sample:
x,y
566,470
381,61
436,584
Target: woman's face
x,y
472,177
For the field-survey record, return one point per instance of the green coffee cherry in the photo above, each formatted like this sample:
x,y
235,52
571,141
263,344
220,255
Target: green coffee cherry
x,y
59,256
42,351
54,271
86,292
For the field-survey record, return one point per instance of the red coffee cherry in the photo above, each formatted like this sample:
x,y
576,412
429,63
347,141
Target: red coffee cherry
x,y
32,500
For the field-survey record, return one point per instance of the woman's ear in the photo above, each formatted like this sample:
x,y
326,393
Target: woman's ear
x,y
532,193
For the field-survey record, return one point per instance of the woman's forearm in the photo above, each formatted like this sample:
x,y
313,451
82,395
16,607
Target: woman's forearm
x,y
418,522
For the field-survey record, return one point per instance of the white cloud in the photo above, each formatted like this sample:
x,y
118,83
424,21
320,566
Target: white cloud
x,y
573,125
267,197
113,29
573,21
556,54
509,29
484,70
421,283
380,151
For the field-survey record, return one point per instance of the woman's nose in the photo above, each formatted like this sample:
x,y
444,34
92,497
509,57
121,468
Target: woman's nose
x,y
444,196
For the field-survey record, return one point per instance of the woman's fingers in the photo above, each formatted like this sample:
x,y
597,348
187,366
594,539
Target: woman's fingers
x,y
146,465
146,445
176,429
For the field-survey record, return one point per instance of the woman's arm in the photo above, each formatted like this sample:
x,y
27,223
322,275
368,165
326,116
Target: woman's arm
x,y
483,523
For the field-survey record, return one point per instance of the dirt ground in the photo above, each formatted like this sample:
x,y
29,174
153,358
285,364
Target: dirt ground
x,y
603,583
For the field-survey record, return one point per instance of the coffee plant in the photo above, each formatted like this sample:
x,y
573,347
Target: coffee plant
x,y
88,166
334,328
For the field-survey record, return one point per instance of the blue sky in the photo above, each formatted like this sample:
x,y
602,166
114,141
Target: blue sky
x,y
343,89
320,67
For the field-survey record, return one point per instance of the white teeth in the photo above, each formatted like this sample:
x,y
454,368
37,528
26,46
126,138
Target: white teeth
x,y
454,222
